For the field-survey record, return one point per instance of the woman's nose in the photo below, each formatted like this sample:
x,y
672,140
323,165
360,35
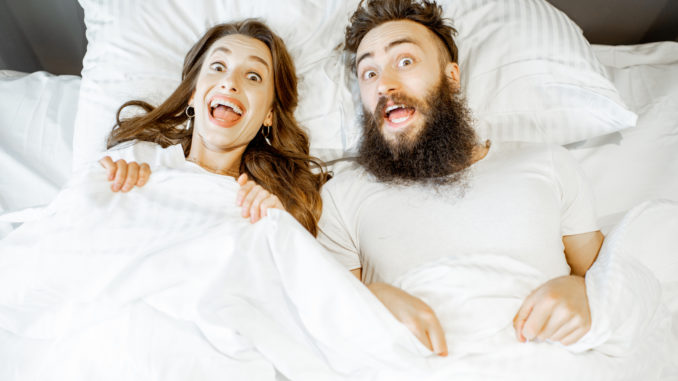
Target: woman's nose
x,y
229,88
230,84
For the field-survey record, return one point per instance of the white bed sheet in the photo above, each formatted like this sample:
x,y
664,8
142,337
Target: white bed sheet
x,y
205,295
625,168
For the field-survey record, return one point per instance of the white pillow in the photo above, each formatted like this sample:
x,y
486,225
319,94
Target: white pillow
x,y
526,68
529,73
641,163
37,112
136,48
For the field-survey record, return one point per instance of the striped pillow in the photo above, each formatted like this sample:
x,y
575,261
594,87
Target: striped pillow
x,y
529,74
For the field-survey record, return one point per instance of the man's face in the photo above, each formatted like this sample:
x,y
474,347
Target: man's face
x,y
398,65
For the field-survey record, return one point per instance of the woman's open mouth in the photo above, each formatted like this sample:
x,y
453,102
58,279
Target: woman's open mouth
x,y
225,112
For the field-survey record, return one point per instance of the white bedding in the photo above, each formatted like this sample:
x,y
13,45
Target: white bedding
x,y
156,309
169,282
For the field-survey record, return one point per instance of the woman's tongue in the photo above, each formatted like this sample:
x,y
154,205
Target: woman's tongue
x,y
399,115
225,113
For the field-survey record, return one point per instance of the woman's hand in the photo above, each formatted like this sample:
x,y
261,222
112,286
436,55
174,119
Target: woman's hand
x,y
255,200
557,311
415,314
125,175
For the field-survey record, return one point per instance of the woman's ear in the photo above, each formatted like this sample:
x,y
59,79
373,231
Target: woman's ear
x,y
452,74
268,121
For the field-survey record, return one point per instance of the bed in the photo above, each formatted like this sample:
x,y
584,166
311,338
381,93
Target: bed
x,y
615,107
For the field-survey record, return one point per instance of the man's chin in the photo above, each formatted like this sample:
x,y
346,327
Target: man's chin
x,y
401,138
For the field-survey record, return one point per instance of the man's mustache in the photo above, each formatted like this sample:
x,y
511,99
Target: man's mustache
x,y
396,98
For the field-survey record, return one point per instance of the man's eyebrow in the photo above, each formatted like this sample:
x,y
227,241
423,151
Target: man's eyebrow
x,y
252,57
401,41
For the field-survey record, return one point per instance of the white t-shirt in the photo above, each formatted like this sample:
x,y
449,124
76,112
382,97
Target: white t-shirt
x,y
519,201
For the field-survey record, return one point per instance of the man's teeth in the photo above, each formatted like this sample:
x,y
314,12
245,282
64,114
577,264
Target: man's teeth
x,y
391,108
221,102
400,120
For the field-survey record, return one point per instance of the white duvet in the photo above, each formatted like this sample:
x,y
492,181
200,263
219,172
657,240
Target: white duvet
x,y
168,282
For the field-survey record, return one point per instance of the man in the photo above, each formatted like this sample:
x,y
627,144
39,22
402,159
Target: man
x,y
425,187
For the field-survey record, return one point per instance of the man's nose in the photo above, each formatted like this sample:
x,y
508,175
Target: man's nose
x,y
388,82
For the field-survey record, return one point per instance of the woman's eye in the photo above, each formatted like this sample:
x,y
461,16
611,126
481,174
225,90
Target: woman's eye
x,y
254,77
369,74
218,66
405,62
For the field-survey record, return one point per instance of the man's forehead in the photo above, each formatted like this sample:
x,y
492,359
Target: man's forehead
x,y
383,37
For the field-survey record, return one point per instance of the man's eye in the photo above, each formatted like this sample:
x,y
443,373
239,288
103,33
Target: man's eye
x,y
369,74
218,66
405,62
254,77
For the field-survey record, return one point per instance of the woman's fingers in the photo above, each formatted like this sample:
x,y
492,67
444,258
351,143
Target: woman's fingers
x,y
249,198
245,189
125,176
131,178
255,212
254,200
110,167
120,175
144,174
271,202
242,180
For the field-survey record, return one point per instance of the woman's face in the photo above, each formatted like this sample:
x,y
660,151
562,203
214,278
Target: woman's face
x,y
234,93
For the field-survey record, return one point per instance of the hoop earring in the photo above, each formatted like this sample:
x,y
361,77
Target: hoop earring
x,y
266,131
190,113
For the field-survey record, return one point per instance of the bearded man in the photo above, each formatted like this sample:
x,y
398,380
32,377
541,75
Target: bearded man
x,y
425,187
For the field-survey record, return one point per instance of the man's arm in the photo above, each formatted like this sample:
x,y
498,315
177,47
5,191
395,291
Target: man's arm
x,y
416,315
581,250
559,309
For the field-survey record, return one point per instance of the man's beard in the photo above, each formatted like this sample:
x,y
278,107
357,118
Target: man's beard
x,y
438,154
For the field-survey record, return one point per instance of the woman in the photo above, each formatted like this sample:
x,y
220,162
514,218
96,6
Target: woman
x,y
232,113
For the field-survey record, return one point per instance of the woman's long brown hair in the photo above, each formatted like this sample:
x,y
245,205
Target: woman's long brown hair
x,y
284,168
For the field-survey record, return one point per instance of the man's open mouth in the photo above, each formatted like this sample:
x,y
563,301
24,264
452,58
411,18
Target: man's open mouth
x,y
398,113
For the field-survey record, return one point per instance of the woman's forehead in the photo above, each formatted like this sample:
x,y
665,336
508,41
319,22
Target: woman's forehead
x,y
242,46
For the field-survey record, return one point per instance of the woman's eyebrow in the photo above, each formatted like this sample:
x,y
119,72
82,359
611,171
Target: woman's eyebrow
x,y
251,57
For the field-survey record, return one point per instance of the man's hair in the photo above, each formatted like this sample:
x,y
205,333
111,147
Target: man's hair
x,y
372,13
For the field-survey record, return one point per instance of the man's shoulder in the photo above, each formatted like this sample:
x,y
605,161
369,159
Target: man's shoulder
x,y
351,184
345,173
528,150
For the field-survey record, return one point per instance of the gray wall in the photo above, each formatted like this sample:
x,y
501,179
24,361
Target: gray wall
x,y
42,35
623,22
50,34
